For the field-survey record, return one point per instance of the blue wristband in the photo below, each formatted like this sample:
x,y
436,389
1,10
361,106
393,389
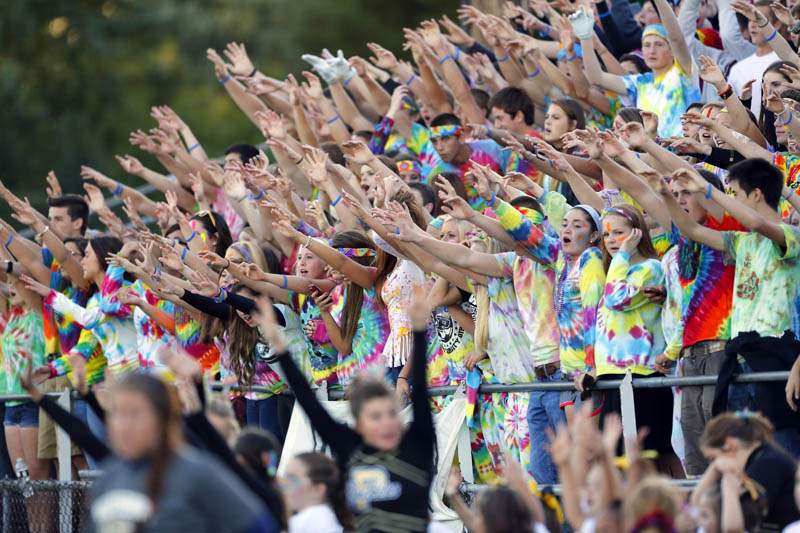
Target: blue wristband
x,y
535,73
709,190
771,37
118,190
345,82
256,197
491,202
225,80
193,147
457,54
8,241
504,58
222,296
191,237
333,119
285,282
184,253
412,78
445,58
336,200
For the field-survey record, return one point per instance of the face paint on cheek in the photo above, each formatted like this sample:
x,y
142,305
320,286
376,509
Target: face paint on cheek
x,y
608,227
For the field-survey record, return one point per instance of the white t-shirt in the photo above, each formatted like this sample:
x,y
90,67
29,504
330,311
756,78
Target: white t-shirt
x,y
317,518
794,527
751,67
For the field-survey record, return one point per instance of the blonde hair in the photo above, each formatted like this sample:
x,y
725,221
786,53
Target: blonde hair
x,y
481,335
654,495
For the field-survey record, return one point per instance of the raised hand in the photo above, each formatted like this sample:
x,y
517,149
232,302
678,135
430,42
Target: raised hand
x,y
204,285
383,58
130,164
34,286
143,141
24,213
321,67
53,186
271,124
400,93
633,133
783,14
710,72
612,144
94,197
582,22
432,35
312,87
240,61
357,152
650,120
690,179
454,33
214,261
316,167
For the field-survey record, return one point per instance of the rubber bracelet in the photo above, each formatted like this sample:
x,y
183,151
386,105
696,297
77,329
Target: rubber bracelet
x,y
192,147
191,237
252,73
572,57
772,36
397,231
535,73
9,267
118,190
336,200
503,59
605,14
492,201
345,82
184,253
445,58
255,197
412,78
332,120
222,296
285,282
225,80
457,54
9,240
709,190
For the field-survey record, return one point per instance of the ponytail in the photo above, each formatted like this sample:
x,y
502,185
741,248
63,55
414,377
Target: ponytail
x,y
322,470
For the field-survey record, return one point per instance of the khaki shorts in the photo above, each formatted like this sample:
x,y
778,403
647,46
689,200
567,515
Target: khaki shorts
x,y
48,449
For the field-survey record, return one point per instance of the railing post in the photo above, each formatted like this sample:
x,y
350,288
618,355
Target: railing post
x,y
64,446
628,407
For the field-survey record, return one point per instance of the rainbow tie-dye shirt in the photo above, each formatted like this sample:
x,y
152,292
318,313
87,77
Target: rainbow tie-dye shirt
x,y
629,334
578,288
369,340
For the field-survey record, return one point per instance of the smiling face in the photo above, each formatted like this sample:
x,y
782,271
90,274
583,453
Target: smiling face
x,y
657,53
615,230
577,233
556,124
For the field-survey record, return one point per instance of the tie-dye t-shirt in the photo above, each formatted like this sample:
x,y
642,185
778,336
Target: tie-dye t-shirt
x,y
767,281
668,96
322,353
577,289
534,284
456,342
23,336
109,321
150,336
188,336
707,285
484,152
369,340
672,314
61,332
789,164
508,346
629,334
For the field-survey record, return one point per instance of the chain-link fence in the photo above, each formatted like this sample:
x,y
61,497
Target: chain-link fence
x,y
43,506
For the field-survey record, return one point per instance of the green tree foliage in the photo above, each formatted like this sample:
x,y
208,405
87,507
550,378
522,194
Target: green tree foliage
x,y
77,76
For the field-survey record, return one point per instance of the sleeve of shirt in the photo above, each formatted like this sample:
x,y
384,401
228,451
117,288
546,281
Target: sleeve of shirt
x,y
624,283
542,246
555,207
591,282
632,85
730,33
85,347
113,281
792,236
83,316
731,240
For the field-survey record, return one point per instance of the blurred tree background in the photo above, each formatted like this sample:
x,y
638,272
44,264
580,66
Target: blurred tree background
x,y
77,76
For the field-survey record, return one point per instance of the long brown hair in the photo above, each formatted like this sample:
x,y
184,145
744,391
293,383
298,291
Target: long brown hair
x,y
746,426
354,294
164,402
635,220
241,340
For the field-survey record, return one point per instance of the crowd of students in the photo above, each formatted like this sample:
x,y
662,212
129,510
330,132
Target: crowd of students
x,y
565,193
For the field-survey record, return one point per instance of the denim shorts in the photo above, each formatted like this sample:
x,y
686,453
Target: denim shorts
x,y
25,415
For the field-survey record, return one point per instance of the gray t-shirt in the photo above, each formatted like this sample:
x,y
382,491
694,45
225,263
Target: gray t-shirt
x,y
198,495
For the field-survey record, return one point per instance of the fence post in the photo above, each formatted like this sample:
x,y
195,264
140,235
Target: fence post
x,y
64,446
628,409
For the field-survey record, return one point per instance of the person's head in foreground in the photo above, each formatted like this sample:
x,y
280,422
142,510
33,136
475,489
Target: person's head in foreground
x,y
313,479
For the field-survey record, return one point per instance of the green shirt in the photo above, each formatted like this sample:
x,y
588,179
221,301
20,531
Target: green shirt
x,y
23,335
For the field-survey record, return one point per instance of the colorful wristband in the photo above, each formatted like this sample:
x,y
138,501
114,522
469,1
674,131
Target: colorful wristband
x,y
535,73
191,237
332,119
192,147
412,78
445,58
285,282
336,200
772,36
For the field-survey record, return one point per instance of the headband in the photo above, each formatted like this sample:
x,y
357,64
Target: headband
x,y
593,214
408,165
655,29
358,252
448,130
620,213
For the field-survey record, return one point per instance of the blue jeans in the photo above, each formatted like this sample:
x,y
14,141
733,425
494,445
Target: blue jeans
x,y
264,414
544,411
25,415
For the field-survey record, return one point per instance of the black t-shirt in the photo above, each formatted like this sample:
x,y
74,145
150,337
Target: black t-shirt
x,y
774,469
